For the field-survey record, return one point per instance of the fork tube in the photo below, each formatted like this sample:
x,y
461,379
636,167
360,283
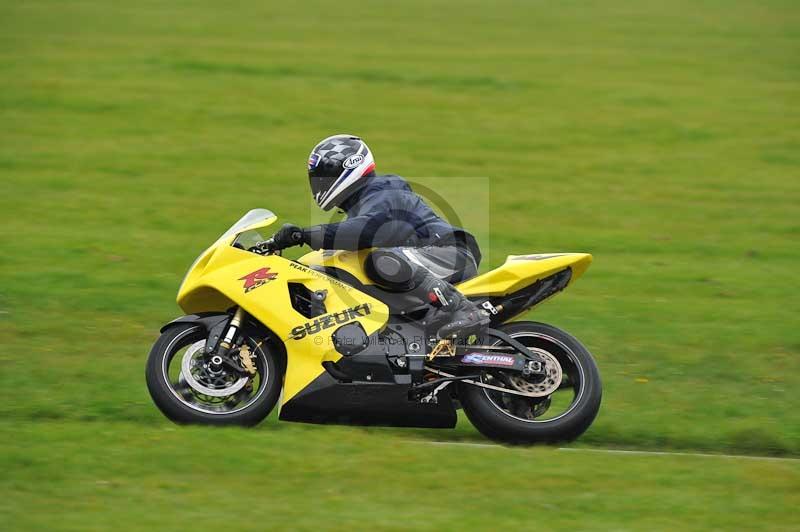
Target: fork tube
x,y
230,335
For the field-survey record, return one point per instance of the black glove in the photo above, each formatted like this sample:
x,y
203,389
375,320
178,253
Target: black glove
x,y
287,236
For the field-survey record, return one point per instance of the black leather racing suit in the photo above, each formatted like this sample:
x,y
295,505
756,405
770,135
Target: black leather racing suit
x,y
386,213
417,251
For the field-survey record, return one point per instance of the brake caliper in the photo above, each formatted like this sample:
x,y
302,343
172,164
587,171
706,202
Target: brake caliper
x,y
247,359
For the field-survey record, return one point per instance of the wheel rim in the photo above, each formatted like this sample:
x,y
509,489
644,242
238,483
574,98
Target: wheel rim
x,y
203,391
543,409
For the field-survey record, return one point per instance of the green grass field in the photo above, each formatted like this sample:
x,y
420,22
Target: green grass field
x,y
662,137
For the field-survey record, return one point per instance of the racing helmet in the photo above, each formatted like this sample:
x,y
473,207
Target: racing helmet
x,y
337,167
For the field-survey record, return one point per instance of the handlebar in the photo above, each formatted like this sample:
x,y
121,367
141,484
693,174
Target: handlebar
x,y
265,247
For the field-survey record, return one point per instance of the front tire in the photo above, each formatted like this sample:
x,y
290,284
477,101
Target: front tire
x,y
491,414
179,402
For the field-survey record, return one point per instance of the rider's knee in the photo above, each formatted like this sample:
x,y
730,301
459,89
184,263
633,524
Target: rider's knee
x,y
391,269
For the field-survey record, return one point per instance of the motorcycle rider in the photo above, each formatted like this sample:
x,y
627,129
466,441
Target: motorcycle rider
x,y
416,251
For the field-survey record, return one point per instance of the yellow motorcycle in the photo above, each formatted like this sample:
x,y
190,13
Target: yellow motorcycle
x,y
319,337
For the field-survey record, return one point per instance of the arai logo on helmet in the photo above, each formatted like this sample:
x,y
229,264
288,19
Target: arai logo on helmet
x,y
353,161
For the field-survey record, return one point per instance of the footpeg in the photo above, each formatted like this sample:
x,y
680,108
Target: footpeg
x,y
445,348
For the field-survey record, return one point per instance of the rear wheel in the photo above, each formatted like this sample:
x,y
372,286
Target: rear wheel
x,y
563,415
187,390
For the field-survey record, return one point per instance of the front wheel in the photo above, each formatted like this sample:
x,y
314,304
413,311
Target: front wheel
x,y
187,390
563,415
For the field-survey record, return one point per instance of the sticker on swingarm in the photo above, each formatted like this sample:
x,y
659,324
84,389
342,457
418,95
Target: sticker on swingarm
x,y
480,359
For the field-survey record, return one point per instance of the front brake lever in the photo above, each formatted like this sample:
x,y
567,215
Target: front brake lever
x,y
265,247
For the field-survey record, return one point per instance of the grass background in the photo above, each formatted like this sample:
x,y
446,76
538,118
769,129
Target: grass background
x,y
664,138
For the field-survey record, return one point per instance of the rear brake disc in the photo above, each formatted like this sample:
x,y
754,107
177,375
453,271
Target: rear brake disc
x,y
546,382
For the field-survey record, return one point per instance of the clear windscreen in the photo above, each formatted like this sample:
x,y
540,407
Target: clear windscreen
x,y
248,239
252,217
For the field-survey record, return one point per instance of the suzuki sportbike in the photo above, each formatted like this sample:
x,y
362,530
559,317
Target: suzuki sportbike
x,y
318,337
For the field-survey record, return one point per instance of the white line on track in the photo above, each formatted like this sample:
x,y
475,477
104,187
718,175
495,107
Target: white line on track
x,y
622,451
461,443
668,453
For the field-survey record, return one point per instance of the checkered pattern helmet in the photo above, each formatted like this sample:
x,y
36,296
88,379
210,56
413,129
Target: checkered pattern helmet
x,y
336,169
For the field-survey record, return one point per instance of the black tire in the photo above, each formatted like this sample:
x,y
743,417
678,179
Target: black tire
x,y
268,361
497,424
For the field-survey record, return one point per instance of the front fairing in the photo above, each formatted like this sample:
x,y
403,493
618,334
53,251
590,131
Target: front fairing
x,y
246,230
260,285
226,276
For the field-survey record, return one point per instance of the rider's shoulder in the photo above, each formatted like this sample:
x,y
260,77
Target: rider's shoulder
x,y
387,182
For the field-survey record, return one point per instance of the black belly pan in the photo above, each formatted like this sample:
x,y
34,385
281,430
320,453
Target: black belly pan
x,y
329,401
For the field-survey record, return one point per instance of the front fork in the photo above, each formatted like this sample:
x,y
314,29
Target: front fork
x,y
230,335
226,333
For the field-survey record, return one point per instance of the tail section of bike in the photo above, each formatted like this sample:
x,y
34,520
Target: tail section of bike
x,y
517,285
523,282
521,271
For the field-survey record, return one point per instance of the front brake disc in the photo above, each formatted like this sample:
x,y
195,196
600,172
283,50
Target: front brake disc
x,y
190,362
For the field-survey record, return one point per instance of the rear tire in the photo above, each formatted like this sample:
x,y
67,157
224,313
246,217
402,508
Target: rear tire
x,y
500,425
164,394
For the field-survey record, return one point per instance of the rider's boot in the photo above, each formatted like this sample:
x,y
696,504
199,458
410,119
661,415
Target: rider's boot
x,y
465,318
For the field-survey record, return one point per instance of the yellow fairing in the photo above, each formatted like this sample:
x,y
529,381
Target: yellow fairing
x,y
350,261
219,279
520,271
225,276
516,273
